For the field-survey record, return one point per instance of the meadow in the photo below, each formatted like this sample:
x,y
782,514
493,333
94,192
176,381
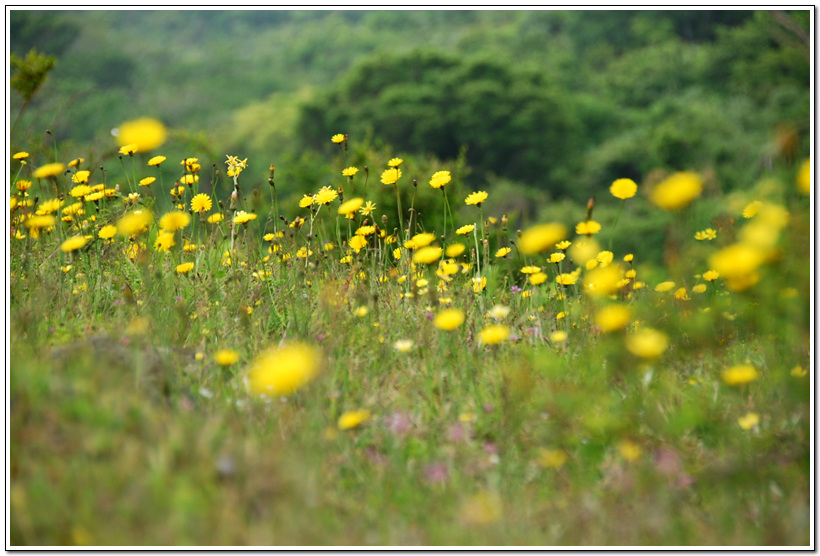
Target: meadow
x,y
200,362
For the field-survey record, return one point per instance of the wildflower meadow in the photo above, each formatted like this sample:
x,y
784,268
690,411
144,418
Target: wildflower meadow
x,y
221,349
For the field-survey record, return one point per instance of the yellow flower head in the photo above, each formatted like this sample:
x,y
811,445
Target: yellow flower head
x,y
538,278
156,160
395,162
81,176
351,206
80,191
749,421
567,279
145,182
107,231
191,165
350,171
338,138
612,318
143,134
587,228
466,229
215,218
647,343
623,188
476,198
23,185
73,243
739,375
129,150
164,242
174,220
49,170
391,176
494,334
185,268
676,191
201,203
449,319
352,419
455,250
242,217
235,166
226,357
440,179
427,255
357,243
367,208
325,195
804,177
20,156
540,238
134,223
708,234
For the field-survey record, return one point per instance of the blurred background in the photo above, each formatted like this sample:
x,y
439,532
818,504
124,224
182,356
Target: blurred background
x,y
540,108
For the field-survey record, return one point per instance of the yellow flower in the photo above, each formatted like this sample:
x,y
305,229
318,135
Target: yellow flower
x,y
454,250
551,458
365,230
629,450
612,318
191,164
623,188
81,176
352,419
737,261
96,196
357,243
707,234
350,171
421,240
129,149
201,203
587,228
503,252
558,337
367,208
647,343
145,182
449,319
629,258
134,223
403,346
563,245
440,179
711,275
479,284
699,288
156,160
555,258
566,279
665,286
395,162
107,232
178,191
476,198
20,156
23,185
676,191
235,166
49,170
604,257
164,242
681,294
739,375
530,269
494,334
804,177
749,421
798,372
602,281
215,218
540,238
80,191
326,195
243,217
184,268
351,206
39,222
226,357
427,255
464,230
282,371
73,243
338,138
174,220
750,210
144,134
538,278
188,179
391,176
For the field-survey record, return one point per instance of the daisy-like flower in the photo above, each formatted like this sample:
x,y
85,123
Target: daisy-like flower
x,y
351,206
156,160
81,176
427,255
476,198
449,319
73,243
164,242
677,191
711,275
612,318
749,421
707,234
243,217
226,357
538,278
455,250
391,176
350,171
185,268
395,162
751,210
503,252
530,269
215,218
189,179
647,343
338,138
368,207
623,188
403,346
306,201
494,334
49,170
145,182
129,149
566,279
587,228
174,220
464,230
201,203
739,375
191,164
235,166
326,195
97,195
365,230
281,371
556,258
134,223
20,156
352,419
80,191
107,232
440,179
23,185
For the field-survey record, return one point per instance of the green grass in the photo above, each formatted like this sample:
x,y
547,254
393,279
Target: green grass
x,y
125,431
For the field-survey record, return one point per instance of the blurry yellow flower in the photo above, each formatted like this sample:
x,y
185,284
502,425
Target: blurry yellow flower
x,y
647,343
482,509
361,311
623,188
242,217
699,288
325,195
604,257
73,243
563,245
566,279
707,234
538,278
499,312
798,372
584,250
751,209
280,371
403,346
711,275
391,176
156,160
351,206
338,138
676,191
80,191
144,134
107,232
739,375
174,220
554,258
187,179
479,284
135,222
613,317
191,164
357,243
629,450
449,319
440,179
587,228
454,250
226,357
737,261
503,252
352,419
551,458
629,258
749,421
602,281
804,178
178,190
129,149
49,170
421,240
558,337
201,202
164,242
215,218
185,268
96,196
23,185
681,294
235,165
540,238
476,198
394,162
145,182
665,286
494,334
365,230
20,156
464,230
427,255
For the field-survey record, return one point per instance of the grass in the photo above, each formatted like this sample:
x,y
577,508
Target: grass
x,y
125,430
